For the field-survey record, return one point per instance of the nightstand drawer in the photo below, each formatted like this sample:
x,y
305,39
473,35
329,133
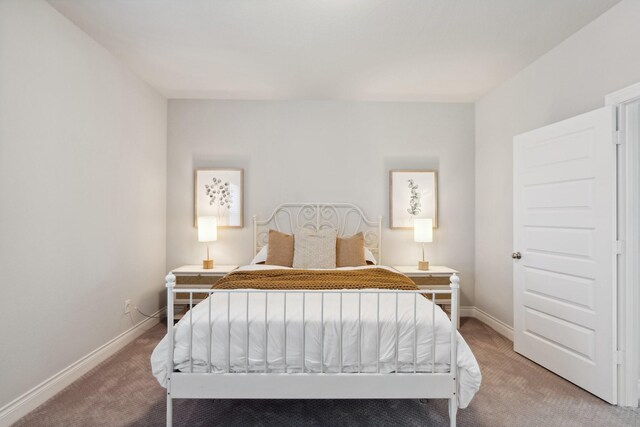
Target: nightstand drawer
x,y
197,280
440,298
183,298
431,280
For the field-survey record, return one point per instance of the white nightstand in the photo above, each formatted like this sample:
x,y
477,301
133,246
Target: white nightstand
x,y
194,276
436,277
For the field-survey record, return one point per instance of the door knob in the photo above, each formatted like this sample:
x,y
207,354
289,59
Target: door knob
x,y
516,255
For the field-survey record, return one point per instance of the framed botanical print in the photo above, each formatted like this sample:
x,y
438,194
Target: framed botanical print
x,y
412,194
219,193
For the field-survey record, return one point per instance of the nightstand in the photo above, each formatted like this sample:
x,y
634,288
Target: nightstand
x,y
195,277
436,277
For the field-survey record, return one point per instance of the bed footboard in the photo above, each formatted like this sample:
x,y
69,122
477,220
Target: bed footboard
x,y
304,384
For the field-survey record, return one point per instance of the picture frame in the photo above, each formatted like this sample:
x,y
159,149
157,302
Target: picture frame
x,y
412,194
219,192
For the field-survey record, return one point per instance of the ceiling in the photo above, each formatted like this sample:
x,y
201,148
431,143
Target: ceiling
x,y
378,50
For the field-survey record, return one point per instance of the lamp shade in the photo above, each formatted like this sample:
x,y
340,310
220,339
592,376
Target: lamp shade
x,y
423,230
207,228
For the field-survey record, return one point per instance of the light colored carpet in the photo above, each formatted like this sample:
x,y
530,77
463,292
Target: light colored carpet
x,y
514,392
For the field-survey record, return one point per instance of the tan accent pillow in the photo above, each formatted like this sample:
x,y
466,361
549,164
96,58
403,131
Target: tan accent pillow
x,y
280,249
315,249
350,251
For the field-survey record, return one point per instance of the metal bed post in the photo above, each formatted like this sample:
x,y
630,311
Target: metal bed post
x,y
453,401
170,281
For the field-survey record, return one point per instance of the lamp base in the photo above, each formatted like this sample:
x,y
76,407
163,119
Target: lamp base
x,y
207,264
423,265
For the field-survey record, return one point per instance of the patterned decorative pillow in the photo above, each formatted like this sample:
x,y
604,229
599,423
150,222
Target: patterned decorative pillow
x,y
314,249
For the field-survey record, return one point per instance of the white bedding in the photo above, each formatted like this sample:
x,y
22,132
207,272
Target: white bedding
x,y
469,371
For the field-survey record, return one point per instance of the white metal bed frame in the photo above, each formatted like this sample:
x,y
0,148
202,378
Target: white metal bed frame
x,y
346,219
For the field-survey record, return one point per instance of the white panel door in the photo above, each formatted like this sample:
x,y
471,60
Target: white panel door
x,y
565,232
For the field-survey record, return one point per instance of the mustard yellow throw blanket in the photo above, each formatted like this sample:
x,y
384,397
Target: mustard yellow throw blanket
x,y
371,278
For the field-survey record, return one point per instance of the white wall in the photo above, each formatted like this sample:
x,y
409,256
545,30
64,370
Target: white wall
x,y
82,195
327,152
571,79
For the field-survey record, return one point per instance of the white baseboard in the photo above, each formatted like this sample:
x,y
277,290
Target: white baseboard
x,y
467,311
19,407
495,324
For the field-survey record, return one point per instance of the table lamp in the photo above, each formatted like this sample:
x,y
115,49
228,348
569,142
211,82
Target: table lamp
x,y
207,232
423,233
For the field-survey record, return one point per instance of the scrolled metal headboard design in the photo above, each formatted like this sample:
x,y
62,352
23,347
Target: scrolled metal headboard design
x,y
347,219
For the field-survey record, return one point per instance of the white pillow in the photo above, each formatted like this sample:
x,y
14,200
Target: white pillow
x,y
368,256
261,256
314,249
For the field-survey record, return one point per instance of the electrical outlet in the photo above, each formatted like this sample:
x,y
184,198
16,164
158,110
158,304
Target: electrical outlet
x,y
127,306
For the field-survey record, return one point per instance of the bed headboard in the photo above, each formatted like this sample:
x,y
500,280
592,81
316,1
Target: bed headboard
x,y
347,219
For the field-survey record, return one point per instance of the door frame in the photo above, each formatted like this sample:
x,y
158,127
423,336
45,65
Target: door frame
x,y
628,172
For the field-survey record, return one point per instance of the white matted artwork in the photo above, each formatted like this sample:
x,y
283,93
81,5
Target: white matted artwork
x,y
219,193
412,194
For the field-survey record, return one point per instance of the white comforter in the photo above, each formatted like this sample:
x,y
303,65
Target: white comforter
x,y
469,371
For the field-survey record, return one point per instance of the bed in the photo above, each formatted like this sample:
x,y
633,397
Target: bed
x,y
292,342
